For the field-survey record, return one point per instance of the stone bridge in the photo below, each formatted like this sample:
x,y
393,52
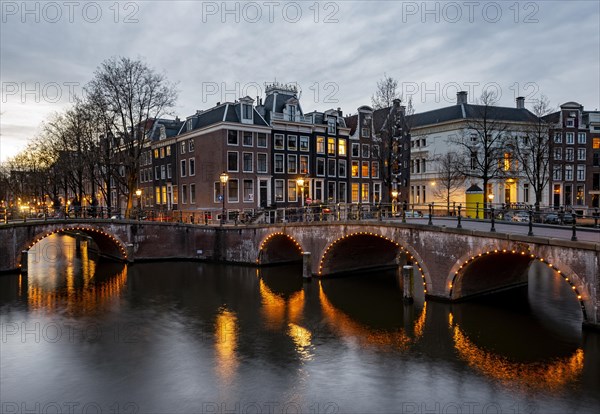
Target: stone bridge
x,y
452,263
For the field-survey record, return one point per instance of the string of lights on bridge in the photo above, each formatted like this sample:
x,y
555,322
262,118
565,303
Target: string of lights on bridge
x,y
339,239
522,253
365,233
84,229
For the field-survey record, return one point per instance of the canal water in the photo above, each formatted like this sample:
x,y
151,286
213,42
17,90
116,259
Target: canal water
x,y
81,335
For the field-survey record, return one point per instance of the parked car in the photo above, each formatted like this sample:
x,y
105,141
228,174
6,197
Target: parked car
x,y
413,213
521,217
555,218
568,218
552,218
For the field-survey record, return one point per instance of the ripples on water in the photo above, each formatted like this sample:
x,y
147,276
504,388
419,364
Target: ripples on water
x,y
83,335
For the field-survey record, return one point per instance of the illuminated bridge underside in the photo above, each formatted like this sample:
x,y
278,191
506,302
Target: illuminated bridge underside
x,y
453,263
491,273
357,253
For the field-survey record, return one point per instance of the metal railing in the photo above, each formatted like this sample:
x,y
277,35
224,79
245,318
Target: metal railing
x,y
493,212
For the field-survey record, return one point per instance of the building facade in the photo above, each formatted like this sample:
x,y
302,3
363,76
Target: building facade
x,y
436,133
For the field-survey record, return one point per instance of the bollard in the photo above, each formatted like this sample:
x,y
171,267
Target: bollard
x,y
306,266
407,283
477,210
574,228
459,226
430,214
530,233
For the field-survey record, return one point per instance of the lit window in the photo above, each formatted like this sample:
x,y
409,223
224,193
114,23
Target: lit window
x,y
320,145
374,169
342,147
304,164
365,169
330,146
354,193
354,171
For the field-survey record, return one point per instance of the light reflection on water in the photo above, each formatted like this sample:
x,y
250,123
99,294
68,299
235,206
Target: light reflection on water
x,y
189,337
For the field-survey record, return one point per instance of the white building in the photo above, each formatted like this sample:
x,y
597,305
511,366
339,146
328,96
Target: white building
x,y
433,133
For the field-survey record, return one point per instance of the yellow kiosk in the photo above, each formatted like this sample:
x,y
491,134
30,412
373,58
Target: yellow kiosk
x,y
474,202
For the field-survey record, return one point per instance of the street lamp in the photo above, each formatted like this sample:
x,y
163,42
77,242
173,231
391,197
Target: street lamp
x,y
491,198
394,201
138,194
223,178
300,182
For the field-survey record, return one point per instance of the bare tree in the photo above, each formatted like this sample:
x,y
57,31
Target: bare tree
x,y
393,125
386,93
450,178
533,150
131,94
481,146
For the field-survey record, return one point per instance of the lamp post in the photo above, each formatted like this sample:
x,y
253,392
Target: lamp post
x,y
138,194
223,178
394,202
300,182
491,198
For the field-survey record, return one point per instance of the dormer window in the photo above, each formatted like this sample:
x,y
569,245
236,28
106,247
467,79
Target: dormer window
x,y
247,111
189,125
292,112
570,122
331,126
163,132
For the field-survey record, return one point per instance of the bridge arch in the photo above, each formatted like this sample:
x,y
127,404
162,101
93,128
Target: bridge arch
x,y
353,246
522,258
109,244
279,247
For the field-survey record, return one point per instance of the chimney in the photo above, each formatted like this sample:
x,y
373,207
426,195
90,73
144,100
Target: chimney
x,y
520,102
461,97
340,113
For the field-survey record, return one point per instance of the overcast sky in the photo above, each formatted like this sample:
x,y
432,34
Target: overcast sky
x,y
334,51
